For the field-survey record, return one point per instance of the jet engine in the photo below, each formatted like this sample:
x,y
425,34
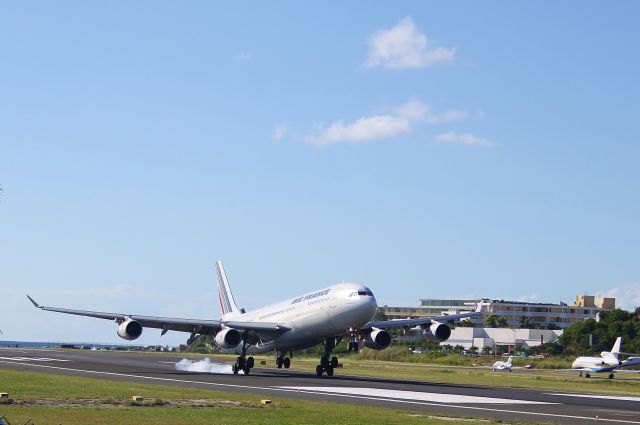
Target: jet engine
x,y
130,330
438,332
378,339
228,338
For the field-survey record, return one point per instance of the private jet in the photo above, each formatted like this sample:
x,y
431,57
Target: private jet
x,y
501,366
609,361
325,316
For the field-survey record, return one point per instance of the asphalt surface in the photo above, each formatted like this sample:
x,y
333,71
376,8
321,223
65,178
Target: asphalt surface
x,y
507,404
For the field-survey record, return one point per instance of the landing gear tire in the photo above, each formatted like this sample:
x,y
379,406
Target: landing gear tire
x,y
611,376
324,362
334,362
588,375
240,362
286,362
279,363
243,363
327,364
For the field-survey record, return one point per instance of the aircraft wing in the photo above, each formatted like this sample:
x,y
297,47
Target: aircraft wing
x,y
409,323
205,327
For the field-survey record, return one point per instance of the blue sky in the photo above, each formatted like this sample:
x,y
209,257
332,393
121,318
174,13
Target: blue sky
x,y
425,149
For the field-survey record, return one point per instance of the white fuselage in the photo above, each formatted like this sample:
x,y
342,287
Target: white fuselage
x,y
314,316
501,366
600,364
595,364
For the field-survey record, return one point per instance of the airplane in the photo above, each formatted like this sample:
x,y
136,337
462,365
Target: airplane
x,y
501,366
323,316
608,361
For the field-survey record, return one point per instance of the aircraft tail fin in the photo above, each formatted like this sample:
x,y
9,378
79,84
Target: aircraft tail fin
x,y
228,307
510,361
616,347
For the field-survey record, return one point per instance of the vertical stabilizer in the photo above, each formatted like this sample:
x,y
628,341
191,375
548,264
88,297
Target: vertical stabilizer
x,y
510,361
616,347
228,305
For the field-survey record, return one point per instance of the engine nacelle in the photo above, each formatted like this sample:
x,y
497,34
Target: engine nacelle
x,y
378,339
228,338
438,332
130,330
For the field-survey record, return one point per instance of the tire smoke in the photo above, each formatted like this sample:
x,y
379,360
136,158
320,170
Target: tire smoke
x,y
204,366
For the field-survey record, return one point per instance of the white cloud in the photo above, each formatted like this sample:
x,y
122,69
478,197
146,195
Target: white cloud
x,y
421,112
362,130
627,296
403,46
398,121
244,56
467,139
446,117
280,131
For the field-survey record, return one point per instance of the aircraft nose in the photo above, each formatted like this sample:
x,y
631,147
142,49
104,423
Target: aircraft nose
x,y
371,303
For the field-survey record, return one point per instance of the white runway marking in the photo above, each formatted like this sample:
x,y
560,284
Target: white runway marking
x,y
33,359
253,387
415,395
605,397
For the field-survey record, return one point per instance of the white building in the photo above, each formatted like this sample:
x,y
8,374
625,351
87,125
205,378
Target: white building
x,y
501,339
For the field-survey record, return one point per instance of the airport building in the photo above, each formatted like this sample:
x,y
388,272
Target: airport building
x,y
501,340
544,315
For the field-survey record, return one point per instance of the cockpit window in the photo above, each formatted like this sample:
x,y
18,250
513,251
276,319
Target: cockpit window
x,y
353,294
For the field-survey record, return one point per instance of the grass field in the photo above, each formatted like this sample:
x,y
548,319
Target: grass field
x,y
55,399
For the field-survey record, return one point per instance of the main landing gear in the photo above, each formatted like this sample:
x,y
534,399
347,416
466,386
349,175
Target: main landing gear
x,y
243,363
191,339
281,360
327,365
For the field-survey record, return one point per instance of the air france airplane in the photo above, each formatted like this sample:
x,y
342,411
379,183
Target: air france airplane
x,y
323,316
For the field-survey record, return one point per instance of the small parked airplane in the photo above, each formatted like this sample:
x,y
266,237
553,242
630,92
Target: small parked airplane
x,y
324,316
607,362
501,366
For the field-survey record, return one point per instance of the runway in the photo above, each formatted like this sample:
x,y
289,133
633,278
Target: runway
x,y
435,398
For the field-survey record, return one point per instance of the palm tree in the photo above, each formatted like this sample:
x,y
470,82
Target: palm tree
x,y
491,321
502,322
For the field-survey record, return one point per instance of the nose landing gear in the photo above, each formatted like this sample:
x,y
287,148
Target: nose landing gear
x,y
353,340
